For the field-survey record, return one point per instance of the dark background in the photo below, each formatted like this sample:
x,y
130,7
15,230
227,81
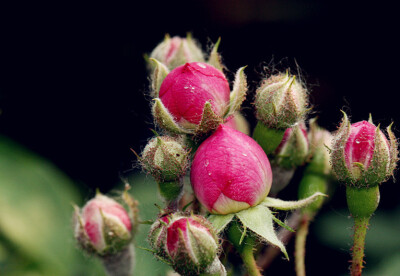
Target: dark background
x,y
73,75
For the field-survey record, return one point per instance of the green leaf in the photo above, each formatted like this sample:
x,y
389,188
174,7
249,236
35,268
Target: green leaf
x,y
290,205
259,220
220,221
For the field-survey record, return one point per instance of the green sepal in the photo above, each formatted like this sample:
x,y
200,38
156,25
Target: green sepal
x,y
165,120
259,220
215,59
159,74
290,205
219,222
394,150
209,121
282,224
338,155
238,93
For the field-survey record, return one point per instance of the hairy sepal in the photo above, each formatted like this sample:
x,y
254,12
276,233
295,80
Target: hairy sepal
x,y
215,59
159,74
290,205
209,121
238,94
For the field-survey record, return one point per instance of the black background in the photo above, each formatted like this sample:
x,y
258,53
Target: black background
x,y
74,80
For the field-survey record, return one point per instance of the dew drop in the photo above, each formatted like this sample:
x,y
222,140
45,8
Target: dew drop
x,y
244,154
206,163
209,173
201,65
357,142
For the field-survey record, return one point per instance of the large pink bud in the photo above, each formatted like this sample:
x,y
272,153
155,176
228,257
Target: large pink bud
x,y
187,88
103,226
362,155
230,172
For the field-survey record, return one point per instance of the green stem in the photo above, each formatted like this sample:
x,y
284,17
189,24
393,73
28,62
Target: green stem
x,y
300,246
360,230
245,247
171,192
268,138
247,255
362,203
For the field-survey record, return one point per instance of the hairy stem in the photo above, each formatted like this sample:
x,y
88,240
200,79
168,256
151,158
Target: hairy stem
x,y
300,246
247,255
360,230
121,263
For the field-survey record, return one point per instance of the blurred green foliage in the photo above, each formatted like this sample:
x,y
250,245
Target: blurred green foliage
x,y
36,235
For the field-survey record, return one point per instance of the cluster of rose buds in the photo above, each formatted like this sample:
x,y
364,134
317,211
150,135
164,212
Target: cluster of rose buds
x,y
234,177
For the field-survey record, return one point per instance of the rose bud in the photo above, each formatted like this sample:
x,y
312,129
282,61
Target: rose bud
x,y
293,149
238,121
177,51
158,235
281,101
191,244
195,98
103,226
165,158
362,155
230,172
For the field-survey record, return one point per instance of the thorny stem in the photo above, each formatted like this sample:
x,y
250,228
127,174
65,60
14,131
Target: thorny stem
x,y
300,246
360,230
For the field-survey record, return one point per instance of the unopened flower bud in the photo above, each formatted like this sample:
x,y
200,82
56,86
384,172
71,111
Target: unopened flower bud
x,y
281,101
191,95
177,51
230,172
103,226
293,149
188,242
165,158
362,156
320,145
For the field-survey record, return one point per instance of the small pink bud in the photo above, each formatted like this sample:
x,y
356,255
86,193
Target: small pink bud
x,y
177,51
103,226
362,155
186,89
320,145
294,147
188,242
165,158
281,101
230,172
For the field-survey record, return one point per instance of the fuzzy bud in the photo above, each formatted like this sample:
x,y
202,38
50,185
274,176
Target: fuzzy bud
x,y
165,158
103,226
293,149
193,97
177,51
281,101
230,172
188,242
362,156
320,145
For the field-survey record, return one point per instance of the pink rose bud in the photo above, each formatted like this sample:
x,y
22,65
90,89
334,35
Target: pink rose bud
x,y
177,51
238,121
281,101
362,155
230,172
186,89
165,158
188,242
103,226
294,148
